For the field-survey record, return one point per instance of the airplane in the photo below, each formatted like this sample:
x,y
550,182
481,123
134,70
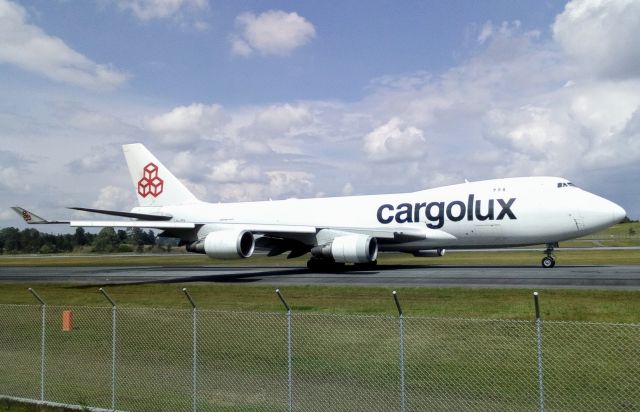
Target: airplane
x,y
336,231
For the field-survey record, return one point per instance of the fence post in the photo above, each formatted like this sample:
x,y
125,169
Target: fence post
x,y
403,398
539,344
194,355
113,347
289,351
43,312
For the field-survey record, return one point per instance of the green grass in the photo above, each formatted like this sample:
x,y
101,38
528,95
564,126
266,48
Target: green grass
x,y
345,343
557,304
15,408
340,363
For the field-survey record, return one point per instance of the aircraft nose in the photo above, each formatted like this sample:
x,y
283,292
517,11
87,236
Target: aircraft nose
x,y
617,213
600,212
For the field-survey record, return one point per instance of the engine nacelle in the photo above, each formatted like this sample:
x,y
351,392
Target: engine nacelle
x,y
429,253
349,249
226,244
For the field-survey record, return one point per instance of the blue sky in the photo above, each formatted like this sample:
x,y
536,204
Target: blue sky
x,y
169,58
247,100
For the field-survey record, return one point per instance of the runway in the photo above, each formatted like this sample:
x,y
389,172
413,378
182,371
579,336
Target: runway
x,y
601,277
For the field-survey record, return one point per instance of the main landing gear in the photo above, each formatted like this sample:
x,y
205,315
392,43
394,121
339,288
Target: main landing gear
x,y
549,260
329,265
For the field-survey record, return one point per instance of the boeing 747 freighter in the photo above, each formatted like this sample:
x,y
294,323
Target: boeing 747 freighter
x,y
353,229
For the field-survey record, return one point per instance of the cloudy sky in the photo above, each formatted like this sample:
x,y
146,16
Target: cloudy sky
x,y
251,100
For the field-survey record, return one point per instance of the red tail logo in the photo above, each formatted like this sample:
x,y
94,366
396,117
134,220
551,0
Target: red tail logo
x,y
26,216
150,184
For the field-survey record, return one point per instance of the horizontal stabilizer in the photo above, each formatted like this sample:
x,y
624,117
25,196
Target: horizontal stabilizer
x,y
33,219
142,216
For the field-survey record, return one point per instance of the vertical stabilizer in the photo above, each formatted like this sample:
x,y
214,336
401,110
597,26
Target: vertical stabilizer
x,y
154,184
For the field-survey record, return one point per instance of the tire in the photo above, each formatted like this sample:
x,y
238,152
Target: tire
x,y
324,265
366,266
548,262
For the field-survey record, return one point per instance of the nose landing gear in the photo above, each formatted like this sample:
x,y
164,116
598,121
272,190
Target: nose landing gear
x,y
549,260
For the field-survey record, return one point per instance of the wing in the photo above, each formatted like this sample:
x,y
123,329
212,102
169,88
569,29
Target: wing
x,y
146,221
141,216
393,234
151,224
278,239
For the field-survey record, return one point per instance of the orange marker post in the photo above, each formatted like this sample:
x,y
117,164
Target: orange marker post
x,y
67,321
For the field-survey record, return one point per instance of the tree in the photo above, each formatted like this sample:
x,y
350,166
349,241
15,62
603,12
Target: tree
x,y
10,240
136,236
30,241
149,238
80,237
122,236
106,241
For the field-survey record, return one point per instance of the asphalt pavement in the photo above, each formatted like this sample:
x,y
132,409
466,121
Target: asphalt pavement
x,y
602,277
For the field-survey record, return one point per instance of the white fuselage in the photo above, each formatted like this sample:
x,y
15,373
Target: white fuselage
x,y
491,213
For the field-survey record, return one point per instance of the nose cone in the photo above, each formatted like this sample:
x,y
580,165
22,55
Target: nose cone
x,y
599,213
617,213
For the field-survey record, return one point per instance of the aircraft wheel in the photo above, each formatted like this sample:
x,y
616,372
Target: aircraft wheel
x,y
324,265
366,266
548,262
313,264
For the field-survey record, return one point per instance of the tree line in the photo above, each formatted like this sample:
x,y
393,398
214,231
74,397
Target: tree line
x,y
108,240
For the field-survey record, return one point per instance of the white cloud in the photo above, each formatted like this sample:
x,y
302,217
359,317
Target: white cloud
x,y
289,183
394,141
114,198
281,119
281,184
277,128
602,35
187,124
12,168
98,159
241,192
234,170
347,189
160,9
528,130
272,33
26,46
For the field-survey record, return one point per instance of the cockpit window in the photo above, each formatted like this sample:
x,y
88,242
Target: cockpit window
x,y
566,184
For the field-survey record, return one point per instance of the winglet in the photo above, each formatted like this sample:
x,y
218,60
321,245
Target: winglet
x,y
33,219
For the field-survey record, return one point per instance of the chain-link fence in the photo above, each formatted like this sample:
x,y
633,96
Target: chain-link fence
x,y
184,360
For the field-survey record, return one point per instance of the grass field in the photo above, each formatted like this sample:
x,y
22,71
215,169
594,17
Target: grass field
x,y
345,340
557,304
340,362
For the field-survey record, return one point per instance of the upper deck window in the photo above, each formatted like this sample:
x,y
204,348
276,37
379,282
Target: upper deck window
x,y
566,184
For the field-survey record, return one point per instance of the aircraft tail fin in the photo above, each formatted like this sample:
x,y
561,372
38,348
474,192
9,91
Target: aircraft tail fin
x,y
155,185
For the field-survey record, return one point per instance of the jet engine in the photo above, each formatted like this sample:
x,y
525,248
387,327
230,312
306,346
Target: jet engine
x,y
349,249
225,244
